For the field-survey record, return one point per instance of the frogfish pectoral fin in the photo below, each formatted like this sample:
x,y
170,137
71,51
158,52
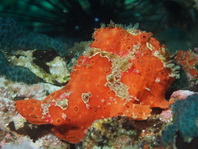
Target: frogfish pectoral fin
x,y
31,110
71,134
140,112
134,111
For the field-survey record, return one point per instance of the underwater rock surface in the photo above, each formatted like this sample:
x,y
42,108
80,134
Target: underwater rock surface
x,y
111,74
185,115
118,63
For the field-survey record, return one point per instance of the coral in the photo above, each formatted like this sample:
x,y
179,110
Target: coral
x,y
3,62
169,135
56,73
14,90
16,37
122,132
19,74
78,49
181,94
7,112
36,65
16,73
111,74
12,123
185,116
13,141
188,60
58,69
52,142
105,132
166,116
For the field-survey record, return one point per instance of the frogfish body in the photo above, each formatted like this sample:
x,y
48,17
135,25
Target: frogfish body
x,y
123,73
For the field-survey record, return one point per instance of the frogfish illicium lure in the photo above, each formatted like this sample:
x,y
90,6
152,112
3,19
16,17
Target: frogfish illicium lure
x,y
122,73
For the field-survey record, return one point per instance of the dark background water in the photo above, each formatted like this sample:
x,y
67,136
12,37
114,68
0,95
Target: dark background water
x,y
173,22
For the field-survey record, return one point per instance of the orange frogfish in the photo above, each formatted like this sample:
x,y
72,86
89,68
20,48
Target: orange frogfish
x,y
122,73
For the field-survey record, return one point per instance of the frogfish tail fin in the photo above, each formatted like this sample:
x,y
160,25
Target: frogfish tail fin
x,y
31,110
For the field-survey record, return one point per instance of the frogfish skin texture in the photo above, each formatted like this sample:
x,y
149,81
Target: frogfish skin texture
x,y
122,73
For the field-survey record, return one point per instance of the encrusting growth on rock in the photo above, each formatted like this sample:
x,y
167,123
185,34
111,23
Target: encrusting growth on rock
x,y
123,73
189,62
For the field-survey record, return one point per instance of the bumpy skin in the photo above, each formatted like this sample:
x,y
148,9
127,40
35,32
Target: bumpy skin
x,y
188,60
123,73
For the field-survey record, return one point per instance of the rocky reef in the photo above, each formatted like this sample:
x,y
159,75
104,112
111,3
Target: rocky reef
x,y
118,94
184,123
